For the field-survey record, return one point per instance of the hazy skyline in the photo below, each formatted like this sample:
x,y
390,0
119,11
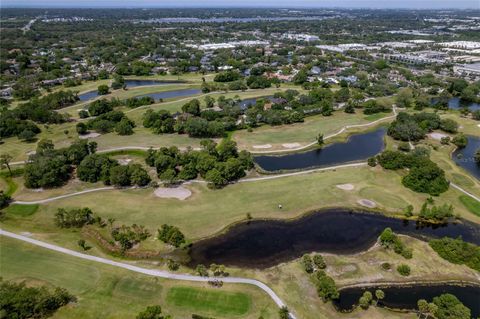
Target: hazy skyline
x,y
416,4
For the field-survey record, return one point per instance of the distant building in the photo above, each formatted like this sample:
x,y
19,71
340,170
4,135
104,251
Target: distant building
x,y
467,69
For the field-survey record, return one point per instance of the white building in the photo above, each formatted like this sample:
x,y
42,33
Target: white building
x,y
467,69
465,45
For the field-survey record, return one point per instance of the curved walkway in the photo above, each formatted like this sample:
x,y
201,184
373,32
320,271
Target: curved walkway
x,y
146,271
343,129
42,201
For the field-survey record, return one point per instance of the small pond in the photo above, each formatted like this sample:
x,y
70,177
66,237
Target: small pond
x,y
465,157
88,95
136,83
358,147
266,243
455,103
406,297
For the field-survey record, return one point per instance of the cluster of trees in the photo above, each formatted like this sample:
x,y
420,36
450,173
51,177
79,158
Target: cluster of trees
x,y
128,236
436,213
99,167
389,239
367,298
152,312
218,164
408,127
326,287
17,301
171,235
457,251
113,120
75,218
424,176
50,167
466,91
445,306
102,106
227,76
310,264
19,121
135,102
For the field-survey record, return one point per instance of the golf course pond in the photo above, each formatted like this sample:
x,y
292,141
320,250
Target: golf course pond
x,y
406,297
455,103
357,148
266,243
465,157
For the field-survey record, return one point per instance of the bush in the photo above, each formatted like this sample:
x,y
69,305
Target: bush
x,y
81,128
74,218
103,89
319,261
457,251
171,235
128,236
152,312
307,263
326,287
19,301
403,270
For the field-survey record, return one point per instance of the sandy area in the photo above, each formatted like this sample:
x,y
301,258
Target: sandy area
x,y
31,153
124,161
291,145
437,136
346,187
263,146
367,203
89,135
180,192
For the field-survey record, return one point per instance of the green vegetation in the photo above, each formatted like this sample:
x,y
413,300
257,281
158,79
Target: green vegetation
x,y
445,306
17,301
326,287
404,270
171,235
436,213
215,302
75,218
408,127
471,204
457,251
152,312
389,239
21,210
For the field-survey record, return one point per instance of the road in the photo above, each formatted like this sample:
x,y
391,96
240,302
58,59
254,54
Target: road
x,y
146,271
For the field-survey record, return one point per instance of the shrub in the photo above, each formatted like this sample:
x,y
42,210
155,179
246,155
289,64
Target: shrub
x,y
74,218
326,287
460,140
457,251
403,270
171,235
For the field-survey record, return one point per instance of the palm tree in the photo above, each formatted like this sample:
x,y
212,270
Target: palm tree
x,y
379,294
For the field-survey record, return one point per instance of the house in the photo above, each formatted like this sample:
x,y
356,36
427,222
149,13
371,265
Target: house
x,y
315,70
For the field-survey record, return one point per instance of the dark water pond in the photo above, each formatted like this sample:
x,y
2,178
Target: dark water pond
x,y
465,157
88,95
357,147
455,103
172,94
136,83
246,103
265,243
407,297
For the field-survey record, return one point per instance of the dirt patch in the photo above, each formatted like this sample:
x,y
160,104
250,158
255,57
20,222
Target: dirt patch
x,y
291,145
180,192
89,135
367,203
346,187
262,146
437,136
26,233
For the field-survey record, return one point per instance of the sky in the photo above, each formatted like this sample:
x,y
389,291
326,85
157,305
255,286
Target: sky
x,y
434,4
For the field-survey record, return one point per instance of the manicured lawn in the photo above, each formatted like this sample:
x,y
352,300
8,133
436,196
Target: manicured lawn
x,y
217,302
108,292
471,204
21,210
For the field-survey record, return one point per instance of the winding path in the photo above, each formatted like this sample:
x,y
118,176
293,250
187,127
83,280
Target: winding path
x,y
146,271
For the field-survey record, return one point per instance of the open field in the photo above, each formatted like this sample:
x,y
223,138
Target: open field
x,y
108,292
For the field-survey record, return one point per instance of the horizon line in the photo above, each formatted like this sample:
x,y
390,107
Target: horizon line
x,y
232,7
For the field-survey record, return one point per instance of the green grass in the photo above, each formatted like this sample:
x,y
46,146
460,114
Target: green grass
x,y
21,210
471,204
198,300
108,292
139,153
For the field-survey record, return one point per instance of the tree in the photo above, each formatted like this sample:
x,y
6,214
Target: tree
x,y
283,313
209,101
83,244
103,89
81,128
365,300
192,107
379,294
449,307
124,127
320,139
422,305
201,270
151,312
307,263
27,135
319,261
404,98
5,160
171,235
4,199
460,140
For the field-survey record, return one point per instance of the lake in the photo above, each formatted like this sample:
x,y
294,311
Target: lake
x,y
406,297
266,243
455,103
464,157
357,148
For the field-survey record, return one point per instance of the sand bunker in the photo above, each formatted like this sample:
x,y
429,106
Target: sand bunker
x,y
291,145
124,161
346,187
180,192
367,203
437,136
262,146
89,135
